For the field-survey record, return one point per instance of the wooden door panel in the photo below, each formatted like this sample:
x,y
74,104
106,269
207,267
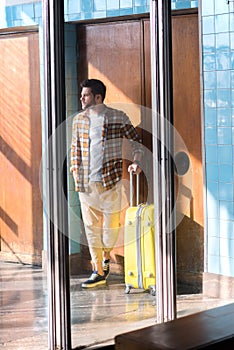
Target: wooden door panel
x,y
187,121
111,52
186,86
20,126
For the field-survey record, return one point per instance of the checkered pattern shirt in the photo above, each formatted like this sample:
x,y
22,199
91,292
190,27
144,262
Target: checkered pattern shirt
x,y
116,127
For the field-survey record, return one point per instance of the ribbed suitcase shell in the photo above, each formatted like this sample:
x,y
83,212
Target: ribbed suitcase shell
x,y
139,248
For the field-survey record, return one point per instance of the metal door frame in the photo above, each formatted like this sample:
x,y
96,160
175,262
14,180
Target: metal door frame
x,y
163,165
59,330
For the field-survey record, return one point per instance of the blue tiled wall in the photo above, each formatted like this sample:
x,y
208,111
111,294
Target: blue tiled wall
x,y
218,79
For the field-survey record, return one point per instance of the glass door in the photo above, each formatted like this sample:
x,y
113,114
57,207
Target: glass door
x,y
96,308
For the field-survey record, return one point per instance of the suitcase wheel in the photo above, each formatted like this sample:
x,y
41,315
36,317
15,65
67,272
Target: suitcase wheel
x,y
127,289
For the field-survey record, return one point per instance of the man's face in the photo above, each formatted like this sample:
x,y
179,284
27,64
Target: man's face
x,y
87,98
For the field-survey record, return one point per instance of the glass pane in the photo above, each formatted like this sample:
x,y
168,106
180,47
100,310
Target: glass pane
x,y
23,283
96,308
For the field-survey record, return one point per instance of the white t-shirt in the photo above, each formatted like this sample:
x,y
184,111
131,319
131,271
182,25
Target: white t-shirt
x,y
96,148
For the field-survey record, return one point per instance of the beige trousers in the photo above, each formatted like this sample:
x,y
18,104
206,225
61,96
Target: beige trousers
x,y
101,216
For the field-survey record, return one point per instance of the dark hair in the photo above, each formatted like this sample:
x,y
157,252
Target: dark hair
x,y
97,87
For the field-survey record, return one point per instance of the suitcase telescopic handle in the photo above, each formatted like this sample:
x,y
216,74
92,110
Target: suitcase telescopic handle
x,y
137,188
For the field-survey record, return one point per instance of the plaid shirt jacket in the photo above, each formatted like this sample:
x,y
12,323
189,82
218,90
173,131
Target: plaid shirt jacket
x,y
116,127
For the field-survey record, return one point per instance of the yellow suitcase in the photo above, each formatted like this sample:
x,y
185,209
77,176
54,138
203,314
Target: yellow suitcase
x,y
139,245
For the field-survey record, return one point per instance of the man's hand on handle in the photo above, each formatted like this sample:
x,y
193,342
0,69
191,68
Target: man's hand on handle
x,y
135,168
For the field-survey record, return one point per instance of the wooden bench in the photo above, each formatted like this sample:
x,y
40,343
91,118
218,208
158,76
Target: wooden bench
x,y
211,329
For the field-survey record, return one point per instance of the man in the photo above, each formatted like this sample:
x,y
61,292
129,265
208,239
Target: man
x,y
96,163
